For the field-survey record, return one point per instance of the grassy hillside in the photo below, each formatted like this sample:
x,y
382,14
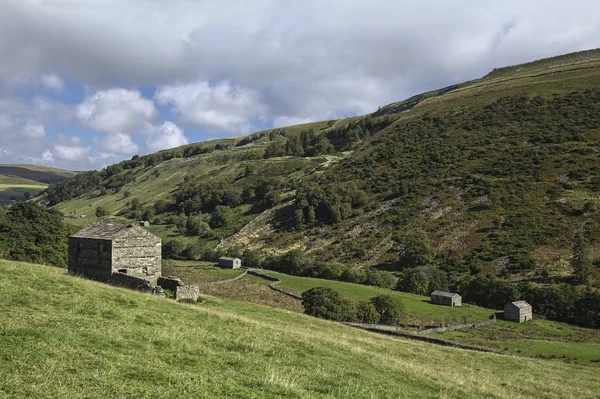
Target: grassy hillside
x,y
69,337
500,175
16,180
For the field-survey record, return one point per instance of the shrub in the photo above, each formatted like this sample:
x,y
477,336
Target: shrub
x,y
101,211
327,303
366,312
391,309
173,249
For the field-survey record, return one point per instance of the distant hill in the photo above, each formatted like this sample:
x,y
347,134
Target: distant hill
x,y
16,180
32,173
495,176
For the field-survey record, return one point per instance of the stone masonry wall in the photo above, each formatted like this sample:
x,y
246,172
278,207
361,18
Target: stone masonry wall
x,y
90,257
191,292
139,253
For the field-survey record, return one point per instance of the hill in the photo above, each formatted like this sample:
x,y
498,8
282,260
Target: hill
x,y
69,337
496,176
16,180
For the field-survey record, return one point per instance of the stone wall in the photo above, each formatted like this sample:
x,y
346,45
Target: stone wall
x,y
190,292
458,326
90,257
131,282
138,253
169,283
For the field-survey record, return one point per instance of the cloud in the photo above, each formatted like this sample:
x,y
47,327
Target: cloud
x,y
117,111
168,135
220,107
227,67
120,143
52,82
70,150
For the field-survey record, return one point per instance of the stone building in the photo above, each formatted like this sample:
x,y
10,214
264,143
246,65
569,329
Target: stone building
x,y
105,249
518,311
230,263
446,298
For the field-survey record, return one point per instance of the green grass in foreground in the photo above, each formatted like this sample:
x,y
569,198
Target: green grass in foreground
x,y
70,337
420,309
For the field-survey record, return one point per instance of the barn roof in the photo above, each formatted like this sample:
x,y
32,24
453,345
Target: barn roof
x,y
520,304
102,231
444,293
228,258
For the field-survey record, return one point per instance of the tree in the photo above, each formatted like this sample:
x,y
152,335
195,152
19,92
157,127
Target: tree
x,y
32,233
581,261
221,217
173,249
136,205
101,211
327,303
417,250
391,309
27,195
195,226
160,206
251,258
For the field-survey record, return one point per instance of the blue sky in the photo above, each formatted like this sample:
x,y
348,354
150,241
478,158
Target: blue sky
x,y
84,84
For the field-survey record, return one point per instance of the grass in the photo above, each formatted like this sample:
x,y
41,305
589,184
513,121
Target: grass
x,y
538,338
192,272
18,190
69,337
421,310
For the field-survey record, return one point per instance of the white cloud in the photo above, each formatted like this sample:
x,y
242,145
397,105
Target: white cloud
x,y
53,82
168,135
221,107
117,111
120,143
70,150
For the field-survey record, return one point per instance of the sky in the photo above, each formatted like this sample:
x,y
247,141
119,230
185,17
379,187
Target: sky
x,y
85,84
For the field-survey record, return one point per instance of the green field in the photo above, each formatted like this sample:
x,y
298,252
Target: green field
x,y
420,309
192,272
70,337
18,190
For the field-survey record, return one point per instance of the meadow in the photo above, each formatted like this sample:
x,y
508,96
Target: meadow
x,y
70,337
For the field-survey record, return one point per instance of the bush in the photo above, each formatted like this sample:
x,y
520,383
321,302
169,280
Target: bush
x,y
173,249
366,312
327,303
391,309
101,211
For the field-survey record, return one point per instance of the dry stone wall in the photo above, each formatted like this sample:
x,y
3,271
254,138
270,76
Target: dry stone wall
x,y
189,292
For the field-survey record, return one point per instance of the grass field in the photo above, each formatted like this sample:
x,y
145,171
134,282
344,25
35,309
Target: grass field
x,y
192,272
421,310
18,190
70,337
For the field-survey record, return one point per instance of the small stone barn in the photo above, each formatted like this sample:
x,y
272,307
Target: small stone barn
x,y
103,249
518,311
446,298
230,263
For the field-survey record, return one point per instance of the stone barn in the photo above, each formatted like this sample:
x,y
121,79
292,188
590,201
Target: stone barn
x,y
230,263
518,311
446,298
104,249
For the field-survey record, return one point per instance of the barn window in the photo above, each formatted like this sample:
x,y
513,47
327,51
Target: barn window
x,y
124,271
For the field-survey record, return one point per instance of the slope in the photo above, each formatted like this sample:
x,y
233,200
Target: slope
x,y
500,174
69,337
16,180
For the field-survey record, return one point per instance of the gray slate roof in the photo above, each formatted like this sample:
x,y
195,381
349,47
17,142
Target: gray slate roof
x,y
228,258
102,231
520,304
444,293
